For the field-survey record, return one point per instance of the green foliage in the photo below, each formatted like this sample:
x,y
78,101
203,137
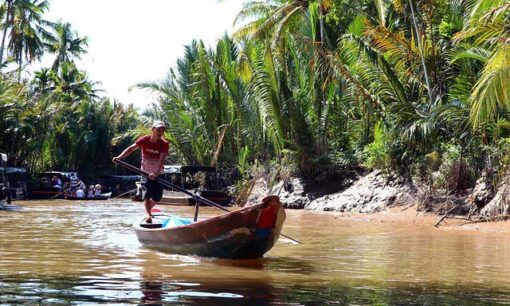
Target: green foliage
x,y
308,85
376,154
57,119
243,163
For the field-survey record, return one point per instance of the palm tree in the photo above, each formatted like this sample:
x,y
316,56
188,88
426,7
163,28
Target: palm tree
x,y
487,26
28,30
73,85
279,24
24,20
65,43
7,10
44,80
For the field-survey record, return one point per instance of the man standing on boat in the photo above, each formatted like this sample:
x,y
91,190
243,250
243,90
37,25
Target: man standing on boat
x,y
154,151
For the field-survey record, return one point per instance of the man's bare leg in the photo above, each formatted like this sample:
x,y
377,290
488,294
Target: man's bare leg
x,y
149,204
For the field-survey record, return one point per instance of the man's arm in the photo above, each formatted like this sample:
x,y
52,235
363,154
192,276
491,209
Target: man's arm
x,y
126,152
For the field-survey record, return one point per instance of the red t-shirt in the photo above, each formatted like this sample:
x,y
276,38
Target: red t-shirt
x,y
151,152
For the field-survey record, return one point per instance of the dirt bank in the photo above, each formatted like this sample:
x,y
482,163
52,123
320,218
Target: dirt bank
x,y
375,194
409,214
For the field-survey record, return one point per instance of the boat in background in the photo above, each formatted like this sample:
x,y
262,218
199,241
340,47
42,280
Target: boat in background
x,y
17,178
246,233
204,179
102,197
43,188
5,191
119,184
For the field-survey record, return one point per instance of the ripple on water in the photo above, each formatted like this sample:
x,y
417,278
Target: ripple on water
x,y
65,252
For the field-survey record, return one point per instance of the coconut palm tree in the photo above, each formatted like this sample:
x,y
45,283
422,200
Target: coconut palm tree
x,y
65,43
7,12
277,23
23,18
72,85
28,29
487,27
203,96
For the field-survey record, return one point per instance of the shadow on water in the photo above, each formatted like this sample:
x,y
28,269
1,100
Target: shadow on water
x,y
163,291
270,264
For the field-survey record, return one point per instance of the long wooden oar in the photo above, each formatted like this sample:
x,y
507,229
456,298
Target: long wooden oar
x,y
167,184
60,193
123,194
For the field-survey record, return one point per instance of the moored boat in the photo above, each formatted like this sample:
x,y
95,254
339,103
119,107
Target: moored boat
x,y
242,234
176,198
45,188
5,192
183,176
103,196
17,178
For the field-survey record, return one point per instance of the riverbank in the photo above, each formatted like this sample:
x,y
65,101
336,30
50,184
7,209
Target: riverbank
x,y
379,192
409,215
356,191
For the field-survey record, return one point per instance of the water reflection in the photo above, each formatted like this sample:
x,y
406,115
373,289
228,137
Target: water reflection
x,y
59,252
158,290
152,292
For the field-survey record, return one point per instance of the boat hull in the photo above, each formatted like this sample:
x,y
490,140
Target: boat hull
x,y
5,206
47,193
179,199
104,196
243,234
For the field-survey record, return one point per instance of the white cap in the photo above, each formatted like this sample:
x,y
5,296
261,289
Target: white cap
x,y
158,124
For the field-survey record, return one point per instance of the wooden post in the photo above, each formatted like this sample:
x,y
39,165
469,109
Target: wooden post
x,y
197,206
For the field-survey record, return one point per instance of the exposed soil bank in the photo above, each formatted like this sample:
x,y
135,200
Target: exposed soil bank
x,y
371,193
409,214
365,193
378,192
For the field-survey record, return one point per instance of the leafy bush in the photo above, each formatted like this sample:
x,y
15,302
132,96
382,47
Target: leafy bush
x,y
376,153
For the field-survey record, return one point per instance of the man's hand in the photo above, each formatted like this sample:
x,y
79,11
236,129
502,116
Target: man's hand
x,y
116,158
152,176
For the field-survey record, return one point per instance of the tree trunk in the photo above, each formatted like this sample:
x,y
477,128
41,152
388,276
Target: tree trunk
x,y
322,126
6,25
457,187
418,40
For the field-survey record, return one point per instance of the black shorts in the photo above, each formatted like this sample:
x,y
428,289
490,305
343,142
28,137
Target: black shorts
x,y
151,189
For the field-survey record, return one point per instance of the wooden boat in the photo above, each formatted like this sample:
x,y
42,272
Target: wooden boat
x,y
180,199
104,196
17,178
182,176
43,188
5,206
246,233
5,192
176,198
169,197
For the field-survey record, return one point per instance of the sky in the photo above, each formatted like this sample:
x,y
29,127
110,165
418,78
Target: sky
x,y
135,41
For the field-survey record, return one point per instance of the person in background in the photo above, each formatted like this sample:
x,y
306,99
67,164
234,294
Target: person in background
x,y
91,192
81,185
154,151
74,185
97,191
80,193
56,182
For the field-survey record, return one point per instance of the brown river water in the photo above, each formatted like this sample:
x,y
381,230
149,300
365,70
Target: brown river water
x,y
80,253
